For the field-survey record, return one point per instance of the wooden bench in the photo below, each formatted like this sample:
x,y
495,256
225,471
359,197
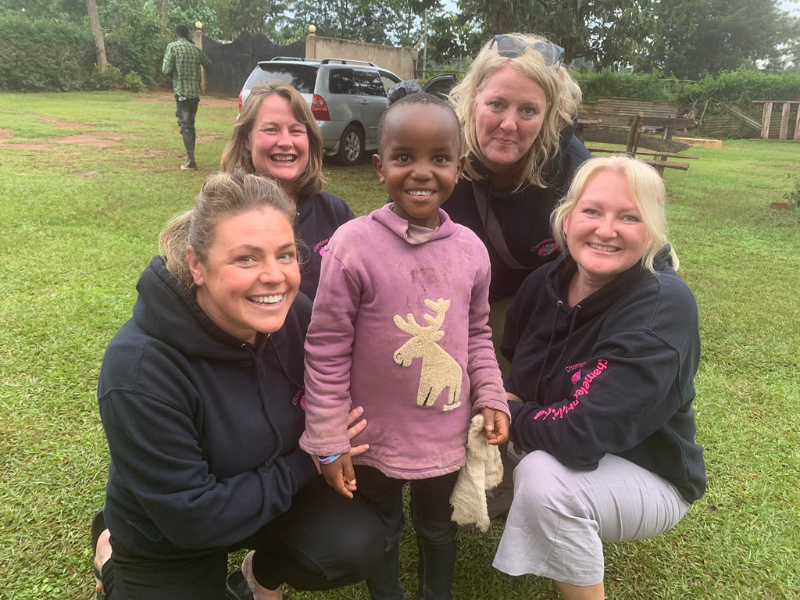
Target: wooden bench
x,y
660,159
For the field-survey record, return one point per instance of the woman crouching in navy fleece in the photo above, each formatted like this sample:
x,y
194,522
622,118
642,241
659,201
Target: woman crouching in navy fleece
x,y
201,398
604,345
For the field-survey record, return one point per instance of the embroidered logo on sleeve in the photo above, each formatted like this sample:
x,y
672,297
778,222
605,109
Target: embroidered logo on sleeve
x,y
322,247
545,247
439,369
583,390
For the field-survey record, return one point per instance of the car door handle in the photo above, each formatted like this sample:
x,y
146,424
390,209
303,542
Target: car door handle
x,y
364,102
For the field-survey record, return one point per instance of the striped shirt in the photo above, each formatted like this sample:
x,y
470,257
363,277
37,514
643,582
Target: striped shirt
x,y
182,62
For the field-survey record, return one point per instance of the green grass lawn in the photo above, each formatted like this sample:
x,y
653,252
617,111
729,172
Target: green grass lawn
x,y
78,224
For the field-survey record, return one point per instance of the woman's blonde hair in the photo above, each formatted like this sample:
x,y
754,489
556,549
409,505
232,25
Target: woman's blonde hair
x,y
563,99
237,156
222,195
646,190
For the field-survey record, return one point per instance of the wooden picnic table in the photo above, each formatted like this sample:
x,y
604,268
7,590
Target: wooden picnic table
x,y
660,159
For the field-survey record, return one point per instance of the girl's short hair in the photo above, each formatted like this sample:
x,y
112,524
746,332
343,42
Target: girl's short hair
x,y
222,195
646,189
563,99
237,156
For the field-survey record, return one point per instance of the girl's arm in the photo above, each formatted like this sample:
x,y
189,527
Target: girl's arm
x,y
486,383
329,346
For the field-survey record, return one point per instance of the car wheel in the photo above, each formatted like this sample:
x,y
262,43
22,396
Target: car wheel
x,y
351,147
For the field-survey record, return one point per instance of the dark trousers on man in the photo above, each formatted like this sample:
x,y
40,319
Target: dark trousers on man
x,y
436,533
186,111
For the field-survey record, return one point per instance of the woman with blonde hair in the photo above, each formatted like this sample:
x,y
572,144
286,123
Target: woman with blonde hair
x,y
276,136
604,345
201,399
518,107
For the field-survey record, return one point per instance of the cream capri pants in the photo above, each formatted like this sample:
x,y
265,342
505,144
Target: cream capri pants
x,y
560,517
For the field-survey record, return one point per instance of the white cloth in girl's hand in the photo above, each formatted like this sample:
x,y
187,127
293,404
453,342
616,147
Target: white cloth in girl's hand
x,y
483,471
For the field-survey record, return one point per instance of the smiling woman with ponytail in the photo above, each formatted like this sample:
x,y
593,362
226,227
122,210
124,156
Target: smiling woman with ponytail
x,y
201,399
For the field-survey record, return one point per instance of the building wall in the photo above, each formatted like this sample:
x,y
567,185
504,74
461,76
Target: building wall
x,y
399,61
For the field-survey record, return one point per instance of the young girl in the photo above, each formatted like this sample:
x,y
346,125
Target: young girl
x,y
400,327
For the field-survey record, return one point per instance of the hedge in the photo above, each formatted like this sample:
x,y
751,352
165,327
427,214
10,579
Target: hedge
x,y
738,87
39,56
50,55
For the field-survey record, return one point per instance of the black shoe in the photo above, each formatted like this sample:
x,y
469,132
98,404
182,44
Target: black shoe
x,y
189,166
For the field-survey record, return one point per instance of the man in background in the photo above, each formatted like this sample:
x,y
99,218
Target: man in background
x,y
182,62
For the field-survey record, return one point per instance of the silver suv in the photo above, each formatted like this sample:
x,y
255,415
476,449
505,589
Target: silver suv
x,y
347,97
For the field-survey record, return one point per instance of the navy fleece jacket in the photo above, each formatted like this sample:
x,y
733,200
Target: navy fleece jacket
x,y
318,217
613,374
203,428
524,216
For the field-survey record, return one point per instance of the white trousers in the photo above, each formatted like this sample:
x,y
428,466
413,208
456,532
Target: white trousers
x,y
560,517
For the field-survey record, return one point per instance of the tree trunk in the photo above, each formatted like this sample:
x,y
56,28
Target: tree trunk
x,y
99,44
502,18
163,15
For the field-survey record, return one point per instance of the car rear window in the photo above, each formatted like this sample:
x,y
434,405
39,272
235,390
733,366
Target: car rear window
x,y
300,77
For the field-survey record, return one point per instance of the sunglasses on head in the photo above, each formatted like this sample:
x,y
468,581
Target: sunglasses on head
x,y
510,46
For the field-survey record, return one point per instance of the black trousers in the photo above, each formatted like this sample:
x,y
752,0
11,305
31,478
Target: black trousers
x,y
186,111
436,533
323,542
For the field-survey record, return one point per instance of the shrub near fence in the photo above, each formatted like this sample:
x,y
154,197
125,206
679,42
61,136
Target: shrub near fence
x,y
44,55
729,87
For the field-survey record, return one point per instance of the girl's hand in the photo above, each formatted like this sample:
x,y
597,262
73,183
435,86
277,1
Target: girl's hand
x,y
495,426
340,475
354,430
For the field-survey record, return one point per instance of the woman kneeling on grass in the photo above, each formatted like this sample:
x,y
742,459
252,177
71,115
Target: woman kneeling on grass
x,y
201,398
604,346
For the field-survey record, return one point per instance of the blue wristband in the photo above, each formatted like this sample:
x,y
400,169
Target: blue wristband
x,y
326,460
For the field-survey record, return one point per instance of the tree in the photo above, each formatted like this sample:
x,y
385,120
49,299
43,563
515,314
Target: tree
x,y
97,32
606,32
388,22
722,35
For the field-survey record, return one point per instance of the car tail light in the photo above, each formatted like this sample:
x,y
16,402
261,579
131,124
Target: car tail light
x,y
240,100
319,108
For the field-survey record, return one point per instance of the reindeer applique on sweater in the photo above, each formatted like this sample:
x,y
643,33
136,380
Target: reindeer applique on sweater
x,y
439,369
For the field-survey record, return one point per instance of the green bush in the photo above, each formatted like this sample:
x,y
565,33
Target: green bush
x,y
44,55
608,83
738,87
108,79
133,82
794,195
138,46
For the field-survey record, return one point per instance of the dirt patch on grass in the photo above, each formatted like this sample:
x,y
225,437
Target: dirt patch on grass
x,y
218,102
62,124
6,134
213,101
96,140
204,139
26,146
102,139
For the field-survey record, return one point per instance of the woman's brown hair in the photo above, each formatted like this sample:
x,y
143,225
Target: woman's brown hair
x,y
237,156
